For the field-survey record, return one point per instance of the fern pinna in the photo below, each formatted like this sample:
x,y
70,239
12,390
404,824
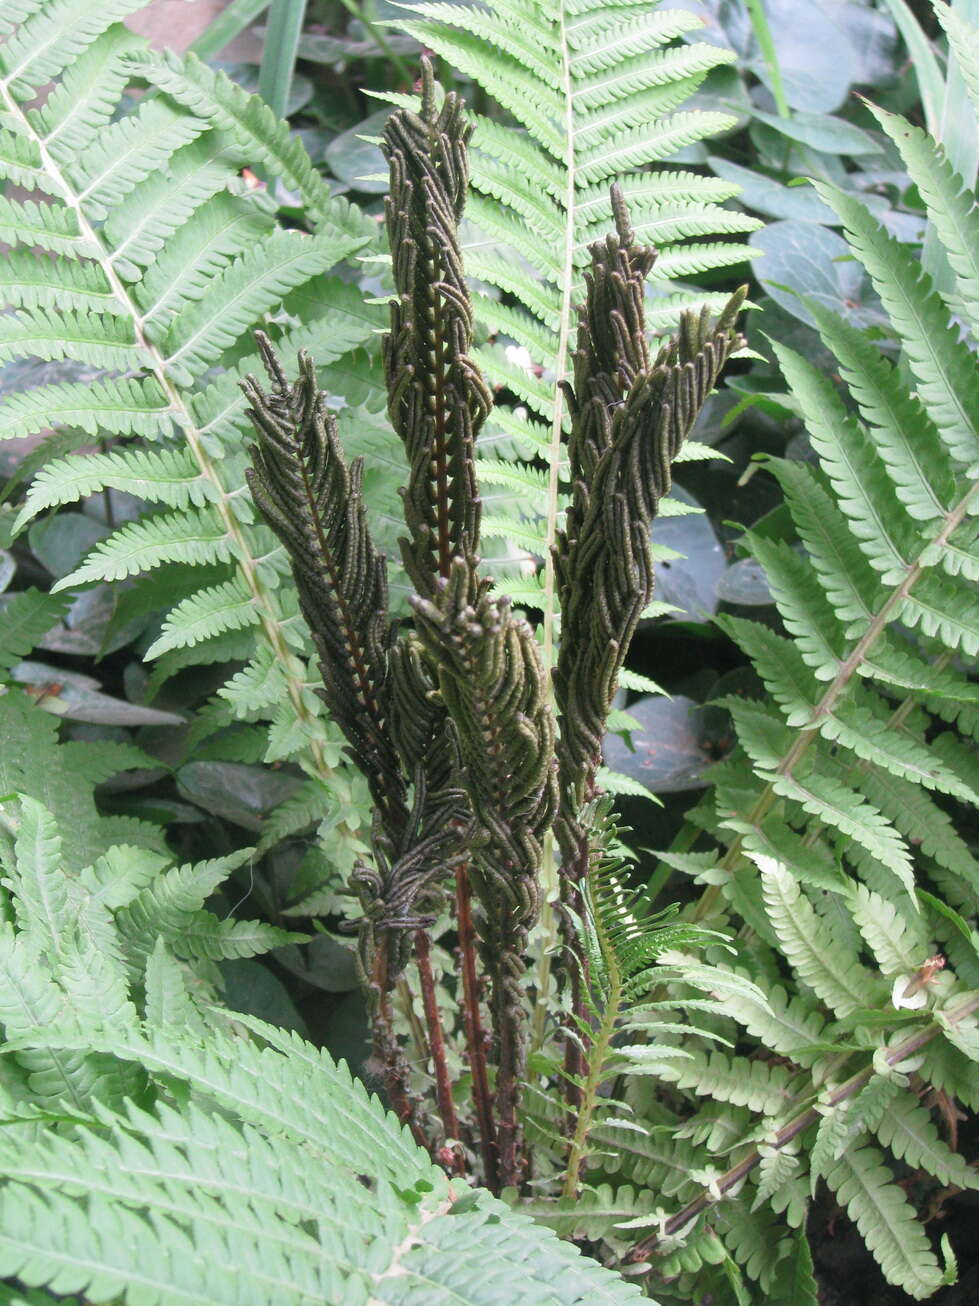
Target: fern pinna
x,y
160,262
829,833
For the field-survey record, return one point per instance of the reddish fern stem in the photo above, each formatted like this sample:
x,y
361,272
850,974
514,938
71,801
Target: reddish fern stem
x,y
388,1055
475,1035
436,1045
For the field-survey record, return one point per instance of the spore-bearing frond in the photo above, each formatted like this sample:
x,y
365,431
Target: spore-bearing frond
x,y
437,398
630,416
310,496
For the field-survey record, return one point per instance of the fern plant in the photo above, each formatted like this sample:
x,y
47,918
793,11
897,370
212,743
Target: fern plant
x,y
595,95
829,834
154,1145
159,262
456,714
623,942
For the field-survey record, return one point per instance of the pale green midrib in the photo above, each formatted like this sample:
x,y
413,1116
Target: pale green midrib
x,y
597,1054
548,920
270,618
809,733
412,1240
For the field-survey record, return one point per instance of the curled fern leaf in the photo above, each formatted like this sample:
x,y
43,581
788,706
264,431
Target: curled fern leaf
x,y
311,498
630,416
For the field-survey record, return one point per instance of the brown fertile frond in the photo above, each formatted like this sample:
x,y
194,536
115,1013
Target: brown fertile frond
x,y
492,681
437,398
310,496
630,416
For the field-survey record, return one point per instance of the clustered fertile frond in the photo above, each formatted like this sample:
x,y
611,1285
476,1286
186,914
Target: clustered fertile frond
x,y
379,694
459,711
492,681
598,92
437,398
630,415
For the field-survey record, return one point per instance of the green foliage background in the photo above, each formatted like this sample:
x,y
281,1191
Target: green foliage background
x,y
177,804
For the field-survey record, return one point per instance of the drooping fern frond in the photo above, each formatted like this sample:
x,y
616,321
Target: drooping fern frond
x,y
224,1153
161,263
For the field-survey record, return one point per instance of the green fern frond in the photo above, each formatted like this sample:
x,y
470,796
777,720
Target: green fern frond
x,y
951,210
99,340
243,292
942,363
164,264
907,1129
896,938
264,139
37,880
962,40
183,537
114,407
886,1220
764,1089
820,964
830,818
165,475
206,614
